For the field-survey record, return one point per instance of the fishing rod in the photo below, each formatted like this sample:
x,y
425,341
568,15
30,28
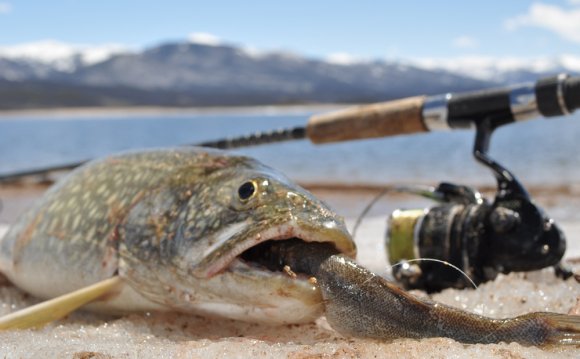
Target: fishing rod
x,y
548,97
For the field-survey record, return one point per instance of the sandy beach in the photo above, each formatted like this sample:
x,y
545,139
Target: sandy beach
x,y
152,335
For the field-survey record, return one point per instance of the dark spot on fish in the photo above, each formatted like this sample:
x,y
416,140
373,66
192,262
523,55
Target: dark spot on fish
x,y
283,293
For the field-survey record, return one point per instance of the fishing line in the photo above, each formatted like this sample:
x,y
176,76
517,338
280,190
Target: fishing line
x,y
422,190
438,261
368,207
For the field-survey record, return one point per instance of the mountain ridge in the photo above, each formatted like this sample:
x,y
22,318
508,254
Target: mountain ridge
x,y
200,74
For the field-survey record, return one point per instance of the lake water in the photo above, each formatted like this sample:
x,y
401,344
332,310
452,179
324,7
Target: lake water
x,y
538,152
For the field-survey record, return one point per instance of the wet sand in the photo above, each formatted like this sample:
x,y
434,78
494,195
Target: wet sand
x,y
85,335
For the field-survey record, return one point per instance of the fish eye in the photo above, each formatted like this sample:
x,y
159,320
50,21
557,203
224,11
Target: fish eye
x,y
247,190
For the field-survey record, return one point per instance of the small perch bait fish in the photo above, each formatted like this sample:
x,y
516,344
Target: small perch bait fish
x,y
203,231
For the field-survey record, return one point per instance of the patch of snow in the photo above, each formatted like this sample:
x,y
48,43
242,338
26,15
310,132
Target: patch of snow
x,y
342,58
60,55
204,38
493,68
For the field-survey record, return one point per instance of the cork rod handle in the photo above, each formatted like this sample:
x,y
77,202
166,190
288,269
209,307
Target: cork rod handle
x,y
368,121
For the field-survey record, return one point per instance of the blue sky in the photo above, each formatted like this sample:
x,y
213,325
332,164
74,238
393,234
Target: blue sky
x,y
366,29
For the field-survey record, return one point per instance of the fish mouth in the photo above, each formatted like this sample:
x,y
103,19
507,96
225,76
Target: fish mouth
x,y
253,254
280,256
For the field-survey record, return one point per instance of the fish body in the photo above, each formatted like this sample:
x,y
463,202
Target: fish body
x,y
172,223
381,310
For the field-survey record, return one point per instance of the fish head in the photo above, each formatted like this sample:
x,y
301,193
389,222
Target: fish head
x,y
233,209
259,204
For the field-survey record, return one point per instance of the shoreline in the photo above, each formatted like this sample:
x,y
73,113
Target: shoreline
x,y
560,201
64,112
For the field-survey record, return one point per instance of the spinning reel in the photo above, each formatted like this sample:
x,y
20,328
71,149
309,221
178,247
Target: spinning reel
x,y
481,237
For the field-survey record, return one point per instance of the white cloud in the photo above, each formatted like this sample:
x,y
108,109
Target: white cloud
x,y
465,42
564,22
342,58
574,2
5,8
204,38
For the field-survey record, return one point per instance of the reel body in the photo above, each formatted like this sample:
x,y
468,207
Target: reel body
x,y
482,238
479,237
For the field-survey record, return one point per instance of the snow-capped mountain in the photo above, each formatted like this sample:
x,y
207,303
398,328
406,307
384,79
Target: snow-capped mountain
x,y
206,72
59,56
502,70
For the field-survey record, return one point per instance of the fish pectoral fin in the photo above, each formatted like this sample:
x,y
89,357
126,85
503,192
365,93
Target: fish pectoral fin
x,y
45,312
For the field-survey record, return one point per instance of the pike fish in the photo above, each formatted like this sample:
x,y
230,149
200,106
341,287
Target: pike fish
x,y
202,231
172,224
